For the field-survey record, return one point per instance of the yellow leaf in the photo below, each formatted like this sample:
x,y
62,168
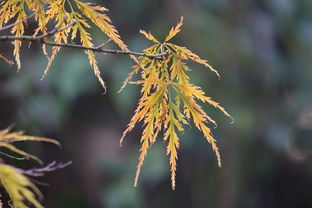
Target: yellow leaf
x,y
102,21
86,41
173,143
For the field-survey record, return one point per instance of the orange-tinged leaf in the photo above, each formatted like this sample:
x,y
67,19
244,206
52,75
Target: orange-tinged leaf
x,y
191,90
185,53
58,12
149,36
174,30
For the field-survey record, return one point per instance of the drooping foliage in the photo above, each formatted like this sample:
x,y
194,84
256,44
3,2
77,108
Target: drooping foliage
x,y
169,100
70,20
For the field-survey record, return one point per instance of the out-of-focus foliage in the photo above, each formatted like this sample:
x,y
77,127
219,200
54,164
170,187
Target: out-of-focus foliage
x,y
7,138
18,186
168,99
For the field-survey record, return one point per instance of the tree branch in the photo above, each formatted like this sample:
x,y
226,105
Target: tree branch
x,y
41,39
16,23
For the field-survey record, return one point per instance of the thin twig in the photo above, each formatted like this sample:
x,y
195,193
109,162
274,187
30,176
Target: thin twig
x,y
75,46
56,30
18,22
36,172
104,44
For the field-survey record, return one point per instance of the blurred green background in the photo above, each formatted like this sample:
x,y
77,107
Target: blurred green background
x,y
262,49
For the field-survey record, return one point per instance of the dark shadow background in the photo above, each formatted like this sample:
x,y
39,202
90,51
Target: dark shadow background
x,y
262,49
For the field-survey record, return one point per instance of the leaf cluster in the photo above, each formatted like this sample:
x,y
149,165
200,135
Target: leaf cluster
x,y
168,99
70,20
